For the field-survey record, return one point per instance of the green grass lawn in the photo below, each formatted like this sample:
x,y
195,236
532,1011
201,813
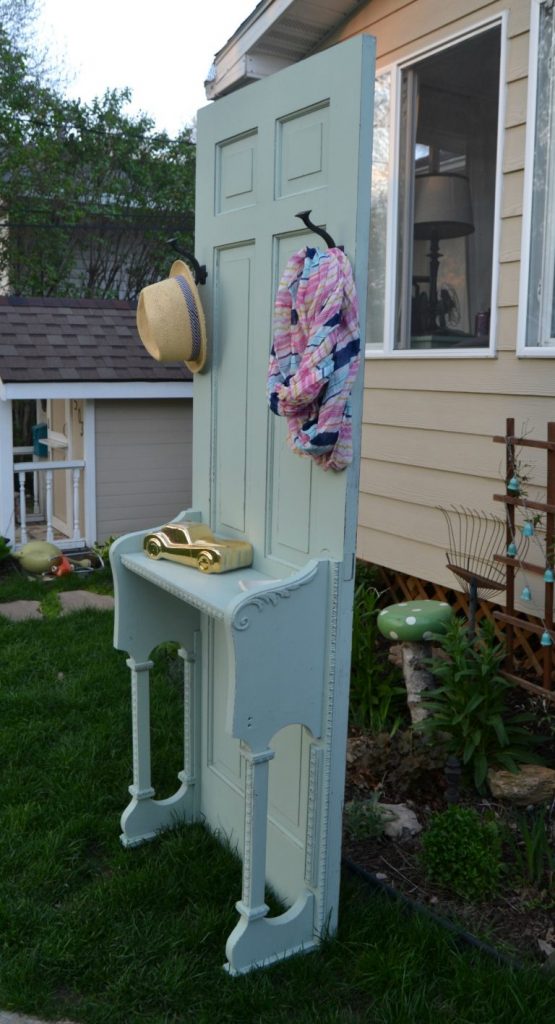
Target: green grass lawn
x,y
95,933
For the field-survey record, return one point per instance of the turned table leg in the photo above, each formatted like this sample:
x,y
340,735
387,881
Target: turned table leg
x,y
141,788
145,817
252,904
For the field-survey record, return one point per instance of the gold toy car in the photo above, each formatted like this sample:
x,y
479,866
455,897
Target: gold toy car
x,y
194,544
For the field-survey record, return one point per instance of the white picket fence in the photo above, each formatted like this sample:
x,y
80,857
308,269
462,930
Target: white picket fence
x,y
44,471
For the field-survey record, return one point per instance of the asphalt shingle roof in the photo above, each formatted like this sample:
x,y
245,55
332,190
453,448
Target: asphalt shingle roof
x,y
43,340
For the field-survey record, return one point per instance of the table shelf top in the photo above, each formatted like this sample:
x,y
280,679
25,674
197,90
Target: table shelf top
x,y
211,593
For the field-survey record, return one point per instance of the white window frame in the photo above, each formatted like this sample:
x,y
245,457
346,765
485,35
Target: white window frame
x,y
525,351
389,351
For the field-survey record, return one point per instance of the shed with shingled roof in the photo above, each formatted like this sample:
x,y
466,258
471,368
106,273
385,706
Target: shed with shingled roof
x,y
102,402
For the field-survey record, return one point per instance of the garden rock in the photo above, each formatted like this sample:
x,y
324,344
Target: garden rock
x,y
17,611
18,1018
533,784
547,949
76,600
400,821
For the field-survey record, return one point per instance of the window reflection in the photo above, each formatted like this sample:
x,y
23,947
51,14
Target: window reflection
x,y
448,125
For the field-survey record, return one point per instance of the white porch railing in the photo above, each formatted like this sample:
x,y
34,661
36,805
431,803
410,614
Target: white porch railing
x,y
28,450
46,470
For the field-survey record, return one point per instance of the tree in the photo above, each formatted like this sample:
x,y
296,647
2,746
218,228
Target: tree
x,y
18,19
89,194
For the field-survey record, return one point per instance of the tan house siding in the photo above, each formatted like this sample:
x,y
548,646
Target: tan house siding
x,y
143,463
428,424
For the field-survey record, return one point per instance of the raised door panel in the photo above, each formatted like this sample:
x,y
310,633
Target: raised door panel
x,y
285,144
298,140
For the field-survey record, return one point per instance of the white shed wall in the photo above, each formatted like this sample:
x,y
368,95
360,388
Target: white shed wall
x,y
143,463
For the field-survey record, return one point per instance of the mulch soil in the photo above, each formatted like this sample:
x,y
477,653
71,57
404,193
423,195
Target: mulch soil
x,y
407,770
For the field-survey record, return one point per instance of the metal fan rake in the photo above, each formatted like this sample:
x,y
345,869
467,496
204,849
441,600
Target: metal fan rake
x,y
475,539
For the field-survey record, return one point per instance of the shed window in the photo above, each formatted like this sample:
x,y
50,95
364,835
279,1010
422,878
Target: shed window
x,y
540,315
449,105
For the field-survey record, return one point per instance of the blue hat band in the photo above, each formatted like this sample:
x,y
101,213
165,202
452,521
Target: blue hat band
x,y
193,317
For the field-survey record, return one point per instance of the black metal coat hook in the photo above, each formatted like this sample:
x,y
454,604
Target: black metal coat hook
x,y
200,273
305,217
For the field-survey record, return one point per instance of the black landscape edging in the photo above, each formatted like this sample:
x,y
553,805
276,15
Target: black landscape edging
x,y
460,934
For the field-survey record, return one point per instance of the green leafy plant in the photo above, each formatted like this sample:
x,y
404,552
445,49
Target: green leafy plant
x,y
378,697
5,549
366,819
102,548
532,847
50,605
467,711
462,851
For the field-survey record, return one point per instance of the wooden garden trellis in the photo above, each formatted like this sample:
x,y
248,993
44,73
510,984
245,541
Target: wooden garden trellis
x,y
401,587
512,501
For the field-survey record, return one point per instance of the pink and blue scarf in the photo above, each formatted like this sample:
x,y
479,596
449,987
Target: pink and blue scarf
x,y
315,355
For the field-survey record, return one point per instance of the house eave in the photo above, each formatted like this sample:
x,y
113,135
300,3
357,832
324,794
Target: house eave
x,y
95,389
276,34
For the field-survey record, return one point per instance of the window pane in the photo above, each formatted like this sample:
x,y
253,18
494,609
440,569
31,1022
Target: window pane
x,y
448,146
540,327
378,220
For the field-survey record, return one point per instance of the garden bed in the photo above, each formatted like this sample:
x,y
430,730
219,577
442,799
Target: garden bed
x,y
520,919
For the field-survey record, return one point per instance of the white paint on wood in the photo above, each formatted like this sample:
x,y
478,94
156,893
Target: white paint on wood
x,y
517,64
516,103
426,395
513,155
143,463
243,633
461,413
505,375
7,507
89,453
120,390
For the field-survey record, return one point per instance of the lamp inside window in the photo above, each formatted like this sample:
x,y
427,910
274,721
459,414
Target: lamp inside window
x,y
449,111
442,210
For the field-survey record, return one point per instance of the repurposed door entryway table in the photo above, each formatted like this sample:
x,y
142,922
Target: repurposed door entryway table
x,y
266,650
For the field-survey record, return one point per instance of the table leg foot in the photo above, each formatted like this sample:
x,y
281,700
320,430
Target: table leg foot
x,y
261,941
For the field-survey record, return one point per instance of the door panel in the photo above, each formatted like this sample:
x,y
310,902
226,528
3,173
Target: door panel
x,y
302,151
236,173
300,139
235,273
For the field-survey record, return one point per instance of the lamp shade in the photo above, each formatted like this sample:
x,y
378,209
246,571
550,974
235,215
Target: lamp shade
x,y
442,207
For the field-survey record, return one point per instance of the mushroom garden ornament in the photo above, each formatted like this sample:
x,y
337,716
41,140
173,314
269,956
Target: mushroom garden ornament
x,y
413,624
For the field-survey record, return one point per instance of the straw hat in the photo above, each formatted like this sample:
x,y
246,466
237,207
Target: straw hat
x,y
170,319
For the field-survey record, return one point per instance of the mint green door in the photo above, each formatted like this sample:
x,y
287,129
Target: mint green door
x,y
298,140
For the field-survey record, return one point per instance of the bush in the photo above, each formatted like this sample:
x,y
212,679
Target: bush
x,y
462,851
533,849
366,819
5,548
467,712
378,696
102,548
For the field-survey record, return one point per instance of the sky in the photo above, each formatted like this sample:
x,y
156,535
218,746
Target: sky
x,y
162,50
